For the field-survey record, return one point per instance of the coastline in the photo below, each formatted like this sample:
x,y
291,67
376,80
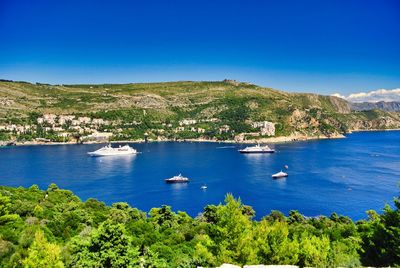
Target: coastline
x,y
375,130
281,139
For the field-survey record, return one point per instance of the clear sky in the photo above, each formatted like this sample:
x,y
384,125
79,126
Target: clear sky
x,y
318,46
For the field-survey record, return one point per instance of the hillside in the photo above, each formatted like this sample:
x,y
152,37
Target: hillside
x,y
223,110
389,106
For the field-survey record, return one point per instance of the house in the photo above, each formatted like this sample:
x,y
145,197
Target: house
x,y
98,136
64,119
186,122
49,118
64,134
224,129
99,121
57,129
179,129
84,120
266,128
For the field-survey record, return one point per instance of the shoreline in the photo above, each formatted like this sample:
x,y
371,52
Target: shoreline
x,y
281,139
273,140
375,130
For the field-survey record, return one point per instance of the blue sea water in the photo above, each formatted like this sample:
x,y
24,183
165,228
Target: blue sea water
x,y
347,176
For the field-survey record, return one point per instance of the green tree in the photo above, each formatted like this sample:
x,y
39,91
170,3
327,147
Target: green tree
x,y
42,253
109,246
232,234
381,237
274,245
314,250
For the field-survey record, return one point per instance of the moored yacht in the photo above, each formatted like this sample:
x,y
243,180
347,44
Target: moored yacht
x,y
257,149
177,179
108,150
280,174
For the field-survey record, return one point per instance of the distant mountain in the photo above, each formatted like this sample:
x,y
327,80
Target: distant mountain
x,y
388,106
386,95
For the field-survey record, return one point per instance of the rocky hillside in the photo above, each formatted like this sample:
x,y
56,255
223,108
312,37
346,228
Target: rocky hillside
x,y
176,110
391,106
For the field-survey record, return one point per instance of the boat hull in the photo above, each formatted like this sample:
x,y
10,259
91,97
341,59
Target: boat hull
x,y
256,152
95,154
175,181
279,175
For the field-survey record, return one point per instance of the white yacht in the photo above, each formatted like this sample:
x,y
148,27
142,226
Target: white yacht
x,y
108,150
177,179
280,174
257,149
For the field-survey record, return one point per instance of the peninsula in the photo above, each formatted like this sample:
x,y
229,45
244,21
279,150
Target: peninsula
x,y
225,110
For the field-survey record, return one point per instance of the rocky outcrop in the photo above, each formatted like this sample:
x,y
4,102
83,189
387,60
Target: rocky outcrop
x,y
384,122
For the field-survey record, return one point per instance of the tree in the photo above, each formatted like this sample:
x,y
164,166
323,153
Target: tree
x,y
381,237
274,245
109,246
4,205
42,253
232,234
314,250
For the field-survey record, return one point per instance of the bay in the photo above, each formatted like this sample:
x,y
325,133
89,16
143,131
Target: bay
x,y
348,176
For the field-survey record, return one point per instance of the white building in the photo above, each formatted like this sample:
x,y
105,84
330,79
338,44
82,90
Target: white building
x,y
186,122
266,128
63,119
224,129
84,120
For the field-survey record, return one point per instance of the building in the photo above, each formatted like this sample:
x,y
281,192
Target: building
x,y
266,128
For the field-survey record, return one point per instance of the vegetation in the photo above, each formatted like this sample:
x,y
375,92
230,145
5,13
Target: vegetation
x,y
54,228
156,109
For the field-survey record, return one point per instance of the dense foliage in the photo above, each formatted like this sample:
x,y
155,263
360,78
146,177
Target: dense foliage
x,y
54,228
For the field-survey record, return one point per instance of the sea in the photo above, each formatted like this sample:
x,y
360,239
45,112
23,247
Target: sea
x,y
348,176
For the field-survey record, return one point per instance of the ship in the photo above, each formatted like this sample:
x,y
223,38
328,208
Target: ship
x,y
177,179
257,149
279,175
108,150
204,187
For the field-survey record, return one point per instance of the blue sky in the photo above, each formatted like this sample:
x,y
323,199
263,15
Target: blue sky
x,y
313,46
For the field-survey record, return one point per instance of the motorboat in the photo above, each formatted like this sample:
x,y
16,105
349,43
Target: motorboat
x,y
177,179
108,150
257,149
279,175
203,187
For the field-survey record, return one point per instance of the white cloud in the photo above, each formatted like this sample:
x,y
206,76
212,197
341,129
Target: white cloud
x,y
373,96
338,95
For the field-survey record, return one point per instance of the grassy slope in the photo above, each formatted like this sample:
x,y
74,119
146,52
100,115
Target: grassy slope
x,y
234,103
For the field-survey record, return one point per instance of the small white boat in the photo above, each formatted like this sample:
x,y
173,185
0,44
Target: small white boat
x,y
108,150
203,187
177,179
257,149
280,174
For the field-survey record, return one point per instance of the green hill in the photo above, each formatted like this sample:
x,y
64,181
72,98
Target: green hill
x,y
213,110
